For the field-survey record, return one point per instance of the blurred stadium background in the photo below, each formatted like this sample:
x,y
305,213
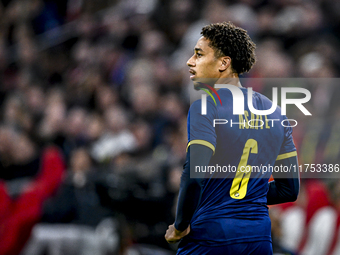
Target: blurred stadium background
x,y
94,97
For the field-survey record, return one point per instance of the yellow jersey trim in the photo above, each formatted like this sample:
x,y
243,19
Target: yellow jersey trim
x,y
287,155
202,142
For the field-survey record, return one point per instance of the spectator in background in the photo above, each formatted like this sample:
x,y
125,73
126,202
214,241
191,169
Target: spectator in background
x,y
278,248
78,204
32,177
117,138
77,200
335,193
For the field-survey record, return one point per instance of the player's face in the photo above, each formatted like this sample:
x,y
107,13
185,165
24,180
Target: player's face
x,y
203,64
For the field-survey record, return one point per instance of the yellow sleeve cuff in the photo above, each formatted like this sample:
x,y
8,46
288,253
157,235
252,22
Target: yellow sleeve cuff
x,y
202,142
286,155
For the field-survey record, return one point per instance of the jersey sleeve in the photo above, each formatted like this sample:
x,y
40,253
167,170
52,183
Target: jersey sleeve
x,y
288,148
200,127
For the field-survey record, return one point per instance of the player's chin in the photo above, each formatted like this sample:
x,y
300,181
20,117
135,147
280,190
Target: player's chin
x,y
196,87
197,84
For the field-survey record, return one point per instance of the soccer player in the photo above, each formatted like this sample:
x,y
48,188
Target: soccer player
x,y
226,213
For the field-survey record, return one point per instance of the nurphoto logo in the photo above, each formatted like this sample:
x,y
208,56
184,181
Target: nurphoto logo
x,y
238,103
238,100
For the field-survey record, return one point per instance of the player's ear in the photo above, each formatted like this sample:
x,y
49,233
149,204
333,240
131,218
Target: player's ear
x,y
225,63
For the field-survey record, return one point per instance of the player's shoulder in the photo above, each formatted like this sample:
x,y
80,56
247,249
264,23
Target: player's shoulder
x,y
197,105
267,102
225,92
262,97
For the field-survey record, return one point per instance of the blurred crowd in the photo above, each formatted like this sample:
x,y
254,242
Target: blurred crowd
x,y
103,87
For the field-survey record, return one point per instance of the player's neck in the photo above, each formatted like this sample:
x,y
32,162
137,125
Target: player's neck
x,y
231,79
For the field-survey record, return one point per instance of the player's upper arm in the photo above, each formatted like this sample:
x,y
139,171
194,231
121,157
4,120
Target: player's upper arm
x,y
200,127
286,184
287,148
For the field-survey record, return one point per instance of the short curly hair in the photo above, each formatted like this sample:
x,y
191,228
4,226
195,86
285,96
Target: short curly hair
x,y
228,40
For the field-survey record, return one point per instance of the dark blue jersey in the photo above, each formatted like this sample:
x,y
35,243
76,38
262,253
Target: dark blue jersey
x,y
232,207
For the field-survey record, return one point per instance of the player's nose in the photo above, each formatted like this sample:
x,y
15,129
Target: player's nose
x,y
191,62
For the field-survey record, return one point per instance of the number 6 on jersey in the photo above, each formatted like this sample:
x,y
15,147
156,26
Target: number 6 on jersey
x,y
239,186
